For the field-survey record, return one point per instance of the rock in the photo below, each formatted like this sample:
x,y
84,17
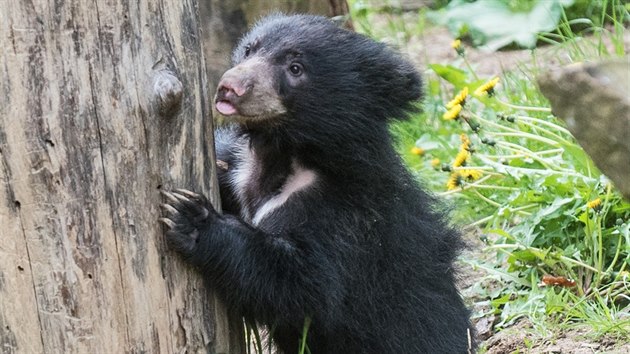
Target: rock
x,y
484,327
594,101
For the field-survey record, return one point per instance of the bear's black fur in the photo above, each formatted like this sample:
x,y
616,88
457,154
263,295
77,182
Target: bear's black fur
x,y
322,218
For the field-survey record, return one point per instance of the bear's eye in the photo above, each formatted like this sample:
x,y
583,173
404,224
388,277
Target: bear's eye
x,y
248,49
296,69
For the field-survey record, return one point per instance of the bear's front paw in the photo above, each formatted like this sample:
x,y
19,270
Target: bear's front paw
x,y
187,214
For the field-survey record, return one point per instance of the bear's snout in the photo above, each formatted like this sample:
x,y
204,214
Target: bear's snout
x,y
247,91
233,88
229,96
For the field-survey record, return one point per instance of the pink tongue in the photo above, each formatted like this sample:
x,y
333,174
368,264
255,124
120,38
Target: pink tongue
x,y
225,108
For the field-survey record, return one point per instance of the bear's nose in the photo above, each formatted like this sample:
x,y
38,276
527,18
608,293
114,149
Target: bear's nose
x,y
228,89
230,95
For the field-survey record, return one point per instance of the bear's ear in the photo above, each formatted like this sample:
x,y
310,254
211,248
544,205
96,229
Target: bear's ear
x,y
394,83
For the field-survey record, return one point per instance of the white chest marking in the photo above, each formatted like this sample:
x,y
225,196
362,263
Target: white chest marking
x,y
243,172
300,179
242,175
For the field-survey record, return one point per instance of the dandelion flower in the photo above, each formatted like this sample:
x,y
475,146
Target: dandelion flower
x,y
417,151
487,88
454,181
471,175
465,142
460,159
457,45
464,138
435,163
595,204
453,113
460,98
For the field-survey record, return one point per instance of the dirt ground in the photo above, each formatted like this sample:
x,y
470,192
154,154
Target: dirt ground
x,y
514,340
434,46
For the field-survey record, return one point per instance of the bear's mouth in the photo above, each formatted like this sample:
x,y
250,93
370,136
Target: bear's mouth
x,y
226,108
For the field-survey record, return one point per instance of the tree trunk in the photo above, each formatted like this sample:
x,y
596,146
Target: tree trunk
x,y
102,103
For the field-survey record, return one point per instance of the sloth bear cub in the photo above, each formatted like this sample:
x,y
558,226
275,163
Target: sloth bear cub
x,y
322,221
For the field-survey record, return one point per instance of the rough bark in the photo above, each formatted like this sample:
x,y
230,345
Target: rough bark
x,y
102,103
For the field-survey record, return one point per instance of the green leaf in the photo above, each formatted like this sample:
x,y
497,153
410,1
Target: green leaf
x,y
498,302
492,24
583,162
509,277
529,255
554,210
455,76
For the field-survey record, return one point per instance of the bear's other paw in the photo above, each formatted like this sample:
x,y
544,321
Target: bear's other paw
x,y
187,214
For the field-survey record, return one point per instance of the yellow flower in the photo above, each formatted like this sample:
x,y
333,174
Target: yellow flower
x,y
487,88
435,163
460,98
453,113
465,142
460,159
595,204
417,151
471,175
457,45
454,181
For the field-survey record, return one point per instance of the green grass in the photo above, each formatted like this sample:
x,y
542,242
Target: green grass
x,y
534,200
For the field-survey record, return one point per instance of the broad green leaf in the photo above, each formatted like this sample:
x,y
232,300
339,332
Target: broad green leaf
x,y
455,76
493,25
553,210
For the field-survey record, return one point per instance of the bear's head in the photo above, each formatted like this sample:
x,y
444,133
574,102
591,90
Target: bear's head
x,y
304,71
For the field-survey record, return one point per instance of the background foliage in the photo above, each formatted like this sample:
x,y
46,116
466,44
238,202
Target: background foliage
x,y
554,232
